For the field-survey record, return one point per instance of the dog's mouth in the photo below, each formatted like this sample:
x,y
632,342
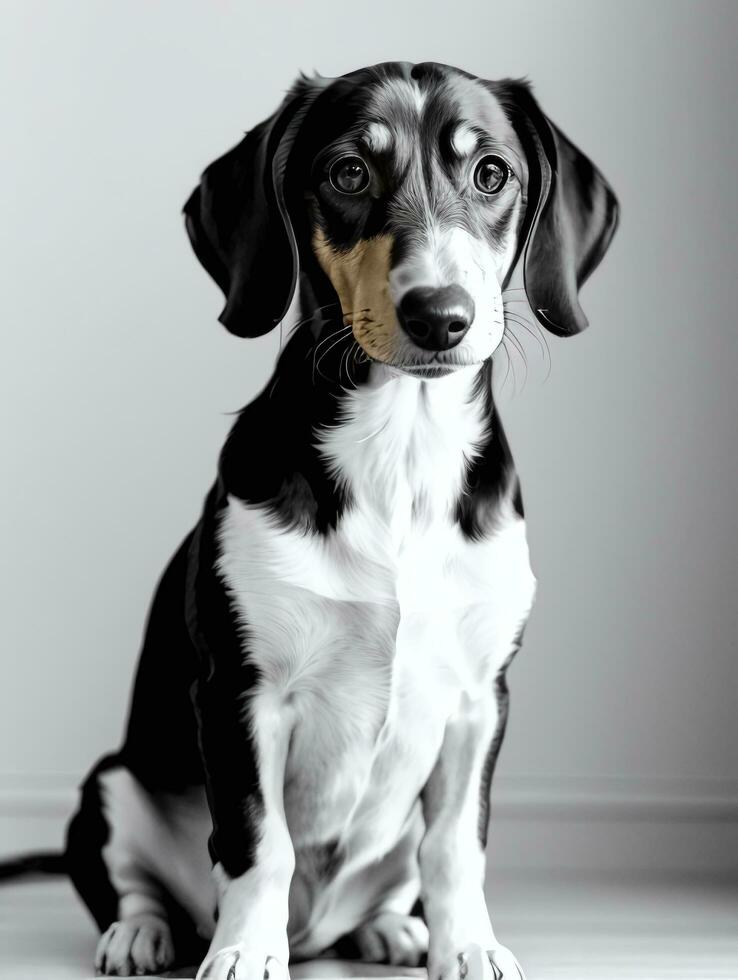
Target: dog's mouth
x,y
428,370
435,367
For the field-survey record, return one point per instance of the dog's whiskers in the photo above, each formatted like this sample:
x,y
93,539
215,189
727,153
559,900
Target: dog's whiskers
x,y
530,326
334,333
510,364
344,332
316,347
536,333
502,347
351,362
343,364
520,349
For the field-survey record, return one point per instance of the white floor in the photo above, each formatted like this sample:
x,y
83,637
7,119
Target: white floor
x,y
561,928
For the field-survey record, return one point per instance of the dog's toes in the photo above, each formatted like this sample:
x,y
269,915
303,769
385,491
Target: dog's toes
x,y
476,963
504,964
390,937
135,947
240,963
275,970
152,950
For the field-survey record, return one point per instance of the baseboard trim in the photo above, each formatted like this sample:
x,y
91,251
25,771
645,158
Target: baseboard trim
x,y
541,825
53,795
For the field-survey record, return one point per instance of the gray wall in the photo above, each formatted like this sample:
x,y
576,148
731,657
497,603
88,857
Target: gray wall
x,y
117,380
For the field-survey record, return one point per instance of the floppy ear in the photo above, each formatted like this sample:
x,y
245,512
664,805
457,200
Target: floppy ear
x,y
239,225
571,216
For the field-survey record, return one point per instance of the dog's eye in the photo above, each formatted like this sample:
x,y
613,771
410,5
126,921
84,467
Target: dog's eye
x,y
349,175
491,175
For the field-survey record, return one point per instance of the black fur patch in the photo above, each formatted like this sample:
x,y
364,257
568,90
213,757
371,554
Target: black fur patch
x,y
490,477
269,457
161,743
219,692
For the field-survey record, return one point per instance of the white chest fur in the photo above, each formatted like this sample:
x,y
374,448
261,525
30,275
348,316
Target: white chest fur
x,y
372,633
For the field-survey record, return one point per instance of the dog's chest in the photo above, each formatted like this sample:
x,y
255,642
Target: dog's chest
x,y
373,634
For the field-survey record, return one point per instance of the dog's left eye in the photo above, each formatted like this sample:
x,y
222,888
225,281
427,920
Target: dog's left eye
x,y
349,175
491,174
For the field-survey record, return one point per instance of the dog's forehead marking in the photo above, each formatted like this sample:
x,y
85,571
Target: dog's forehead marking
x,y
463,140
477,106
378,137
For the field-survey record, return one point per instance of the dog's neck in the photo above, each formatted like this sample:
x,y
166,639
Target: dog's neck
x,y
402,445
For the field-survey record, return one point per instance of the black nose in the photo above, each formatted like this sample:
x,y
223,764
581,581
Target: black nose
x,y
436,319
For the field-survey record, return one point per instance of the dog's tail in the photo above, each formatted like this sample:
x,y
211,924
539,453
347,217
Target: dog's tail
x,y
37,862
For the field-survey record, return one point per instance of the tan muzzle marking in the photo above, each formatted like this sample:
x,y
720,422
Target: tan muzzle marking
x,y
360,277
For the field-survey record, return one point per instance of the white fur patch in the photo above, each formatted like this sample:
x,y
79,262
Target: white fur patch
x,y
378,137
401,448
463,140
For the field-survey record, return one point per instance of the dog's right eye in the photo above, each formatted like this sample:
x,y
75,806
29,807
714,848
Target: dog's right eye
x,y
349,175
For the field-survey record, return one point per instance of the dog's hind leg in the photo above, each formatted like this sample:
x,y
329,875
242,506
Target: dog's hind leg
x,y
138,855
107,868
135,945
392,937
140,863
86,836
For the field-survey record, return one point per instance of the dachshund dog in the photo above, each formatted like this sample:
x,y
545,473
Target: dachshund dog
x,y
321,693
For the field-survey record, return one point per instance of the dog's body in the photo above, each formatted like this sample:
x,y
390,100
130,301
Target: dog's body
x,y
321,692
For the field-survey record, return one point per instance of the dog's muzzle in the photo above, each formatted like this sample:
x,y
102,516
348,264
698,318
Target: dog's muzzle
x,y
436,318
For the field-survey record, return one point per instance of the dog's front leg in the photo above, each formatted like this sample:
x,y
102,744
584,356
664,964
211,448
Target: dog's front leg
x,y
244,742
462,943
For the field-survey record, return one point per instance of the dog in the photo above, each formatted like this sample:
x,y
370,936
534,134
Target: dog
x,y
321,694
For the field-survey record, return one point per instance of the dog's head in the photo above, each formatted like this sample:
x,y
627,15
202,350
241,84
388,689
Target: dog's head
x,y
409,195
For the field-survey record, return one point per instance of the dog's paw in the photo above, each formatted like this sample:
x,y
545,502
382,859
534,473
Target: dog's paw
x,y
135,947
476,963
241,963
390,937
